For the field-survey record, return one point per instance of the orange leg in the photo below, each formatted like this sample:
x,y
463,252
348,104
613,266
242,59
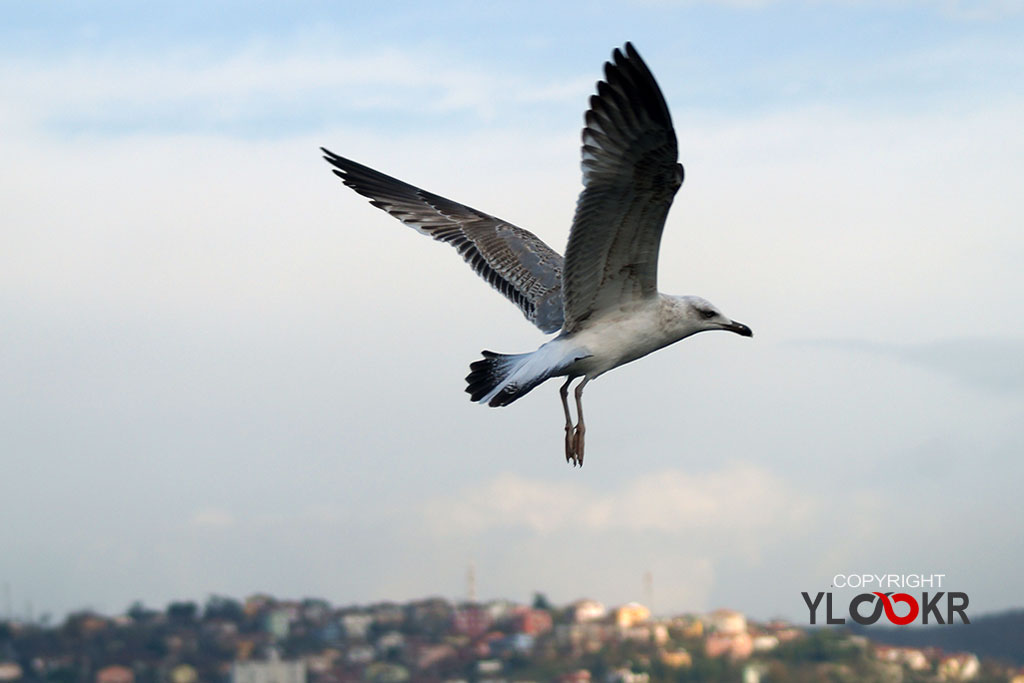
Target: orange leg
x,y
564,391
581,429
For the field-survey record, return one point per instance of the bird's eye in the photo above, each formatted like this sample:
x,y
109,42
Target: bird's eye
x,y
707,314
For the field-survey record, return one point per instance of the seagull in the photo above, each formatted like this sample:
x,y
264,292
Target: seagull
x,y
602,298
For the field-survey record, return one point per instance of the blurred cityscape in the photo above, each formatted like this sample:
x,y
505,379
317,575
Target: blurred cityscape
x,y
266,640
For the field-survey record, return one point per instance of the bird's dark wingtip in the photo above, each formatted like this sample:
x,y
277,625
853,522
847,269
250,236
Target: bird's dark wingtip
x,y
332,158
336,161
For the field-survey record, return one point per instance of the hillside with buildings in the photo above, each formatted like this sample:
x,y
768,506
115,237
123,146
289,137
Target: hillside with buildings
x,y
996,635
266,640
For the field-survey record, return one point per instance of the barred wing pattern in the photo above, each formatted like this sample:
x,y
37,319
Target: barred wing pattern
x,y
514,261
630,175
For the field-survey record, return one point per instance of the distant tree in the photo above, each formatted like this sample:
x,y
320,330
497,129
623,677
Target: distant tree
x,y
62,675
218,607
707,669
820,645
182,612
76,624
540,601
139,613
599,664
155,646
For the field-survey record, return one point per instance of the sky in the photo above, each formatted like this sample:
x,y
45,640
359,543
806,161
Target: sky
x,y
222,372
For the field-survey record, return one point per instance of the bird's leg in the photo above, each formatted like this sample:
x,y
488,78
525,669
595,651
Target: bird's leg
x,y
581,429
564,392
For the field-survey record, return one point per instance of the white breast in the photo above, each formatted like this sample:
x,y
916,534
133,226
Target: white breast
x,y
621,336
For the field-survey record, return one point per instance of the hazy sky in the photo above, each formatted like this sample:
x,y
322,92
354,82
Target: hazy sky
x,y
223,372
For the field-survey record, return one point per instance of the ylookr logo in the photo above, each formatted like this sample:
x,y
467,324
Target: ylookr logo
x,y
868,608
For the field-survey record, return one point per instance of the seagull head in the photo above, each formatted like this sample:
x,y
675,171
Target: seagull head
x,y
701,315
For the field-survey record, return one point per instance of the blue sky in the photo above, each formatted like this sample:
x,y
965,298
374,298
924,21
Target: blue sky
x,y
726,57
224,373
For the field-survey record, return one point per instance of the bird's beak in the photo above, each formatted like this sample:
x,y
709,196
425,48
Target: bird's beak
x,y
739,328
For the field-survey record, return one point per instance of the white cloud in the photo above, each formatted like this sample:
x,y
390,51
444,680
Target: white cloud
x,y
212,518
977,9
689,530
923,203
193,89
740,499
223,301
961,9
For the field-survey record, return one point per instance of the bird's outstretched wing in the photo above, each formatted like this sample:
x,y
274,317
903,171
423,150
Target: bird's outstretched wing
x,y
630,175
514,261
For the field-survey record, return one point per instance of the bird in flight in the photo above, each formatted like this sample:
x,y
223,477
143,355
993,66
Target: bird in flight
x,y
602,297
